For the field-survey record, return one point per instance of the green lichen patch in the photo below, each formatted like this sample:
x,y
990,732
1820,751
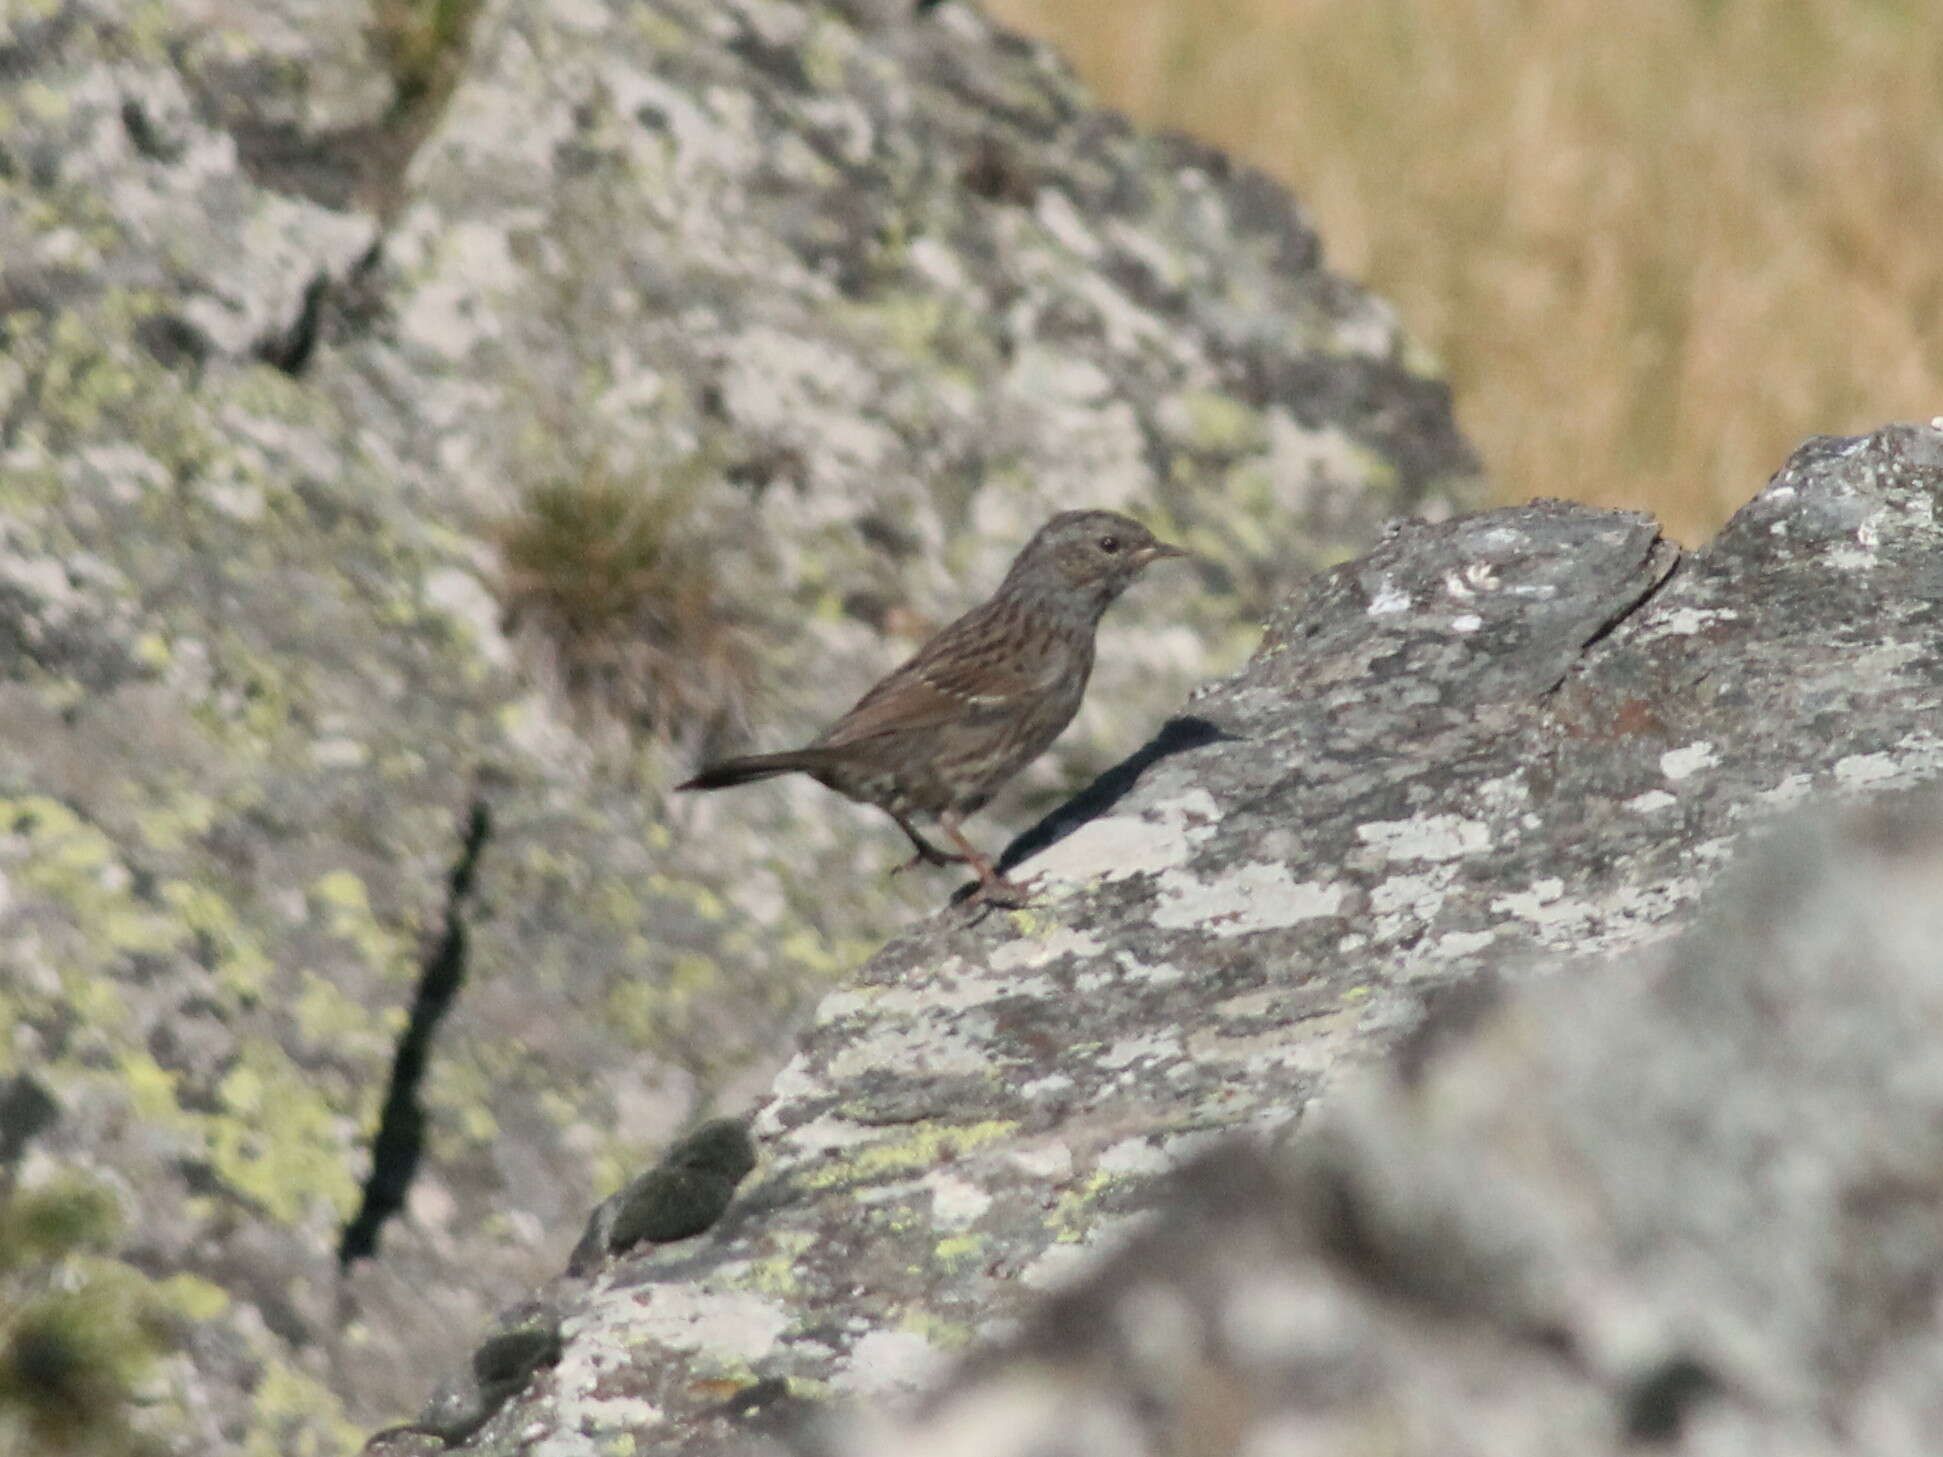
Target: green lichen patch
x,y
779,1274
295,1412
280,1142
1072,1220
922,1147
960,1251
1219,422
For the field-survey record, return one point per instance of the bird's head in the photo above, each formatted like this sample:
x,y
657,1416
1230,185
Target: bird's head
x,y
1088,556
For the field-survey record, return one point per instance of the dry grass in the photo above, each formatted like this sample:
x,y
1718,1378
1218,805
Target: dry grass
x,y
612,584
78,1332
424,45
1655,245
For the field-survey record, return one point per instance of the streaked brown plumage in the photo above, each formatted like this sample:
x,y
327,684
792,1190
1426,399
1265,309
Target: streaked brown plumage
x,y
935,740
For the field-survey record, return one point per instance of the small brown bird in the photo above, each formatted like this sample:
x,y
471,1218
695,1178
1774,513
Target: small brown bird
x,y
983,698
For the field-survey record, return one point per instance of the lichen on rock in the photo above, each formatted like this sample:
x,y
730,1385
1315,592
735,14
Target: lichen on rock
x,y
298,306
1454,767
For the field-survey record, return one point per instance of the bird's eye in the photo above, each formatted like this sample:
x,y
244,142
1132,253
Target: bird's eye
x,y
1109,544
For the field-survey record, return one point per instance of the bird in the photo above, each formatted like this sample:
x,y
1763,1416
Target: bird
x,y
982,698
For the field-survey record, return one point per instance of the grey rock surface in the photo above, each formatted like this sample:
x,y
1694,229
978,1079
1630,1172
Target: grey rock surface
x,y
1685,1201
1518,742
283,801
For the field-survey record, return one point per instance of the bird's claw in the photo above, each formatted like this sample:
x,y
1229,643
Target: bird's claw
x,y
998,893
935,857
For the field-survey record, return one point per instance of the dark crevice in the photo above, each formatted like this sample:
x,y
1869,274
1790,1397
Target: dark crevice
x,y
290,349
1656,1405
146,137
27,1110
400,1139
175,343
1667,566
357,300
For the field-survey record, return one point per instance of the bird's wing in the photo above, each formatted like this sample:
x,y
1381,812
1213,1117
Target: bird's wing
x,y
985,660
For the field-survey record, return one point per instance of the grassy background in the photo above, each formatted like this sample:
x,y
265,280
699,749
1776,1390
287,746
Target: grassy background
x,y
1655,244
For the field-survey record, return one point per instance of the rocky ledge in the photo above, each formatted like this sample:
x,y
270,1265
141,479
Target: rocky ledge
x,y
349,947
1635,1172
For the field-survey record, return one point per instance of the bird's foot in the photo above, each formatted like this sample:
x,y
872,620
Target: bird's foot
x,y
992,889
995,891
927,853
933,857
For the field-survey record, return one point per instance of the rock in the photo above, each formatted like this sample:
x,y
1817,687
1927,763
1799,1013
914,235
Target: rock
x,y
515,1350
1688,1198
1500,750
307,850
679,1198
523,1340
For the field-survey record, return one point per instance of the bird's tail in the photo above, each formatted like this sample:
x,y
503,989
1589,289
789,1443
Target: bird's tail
x,y
751,767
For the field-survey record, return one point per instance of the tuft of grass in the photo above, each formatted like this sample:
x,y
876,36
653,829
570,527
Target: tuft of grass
x,y
615,580
1655,247
424,44
76,1336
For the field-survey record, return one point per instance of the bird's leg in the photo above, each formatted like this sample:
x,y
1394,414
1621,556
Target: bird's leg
x,y
993,888
927,853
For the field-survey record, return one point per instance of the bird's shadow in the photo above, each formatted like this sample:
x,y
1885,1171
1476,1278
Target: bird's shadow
x,y
1176,736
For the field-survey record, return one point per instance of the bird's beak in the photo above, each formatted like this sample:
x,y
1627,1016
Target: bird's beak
x,y
1158,550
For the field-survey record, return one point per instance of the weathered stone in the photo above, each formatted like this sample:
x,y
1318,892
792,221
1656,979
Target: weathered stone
x,y
1514,743
283,347
1689,1198
523,1340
